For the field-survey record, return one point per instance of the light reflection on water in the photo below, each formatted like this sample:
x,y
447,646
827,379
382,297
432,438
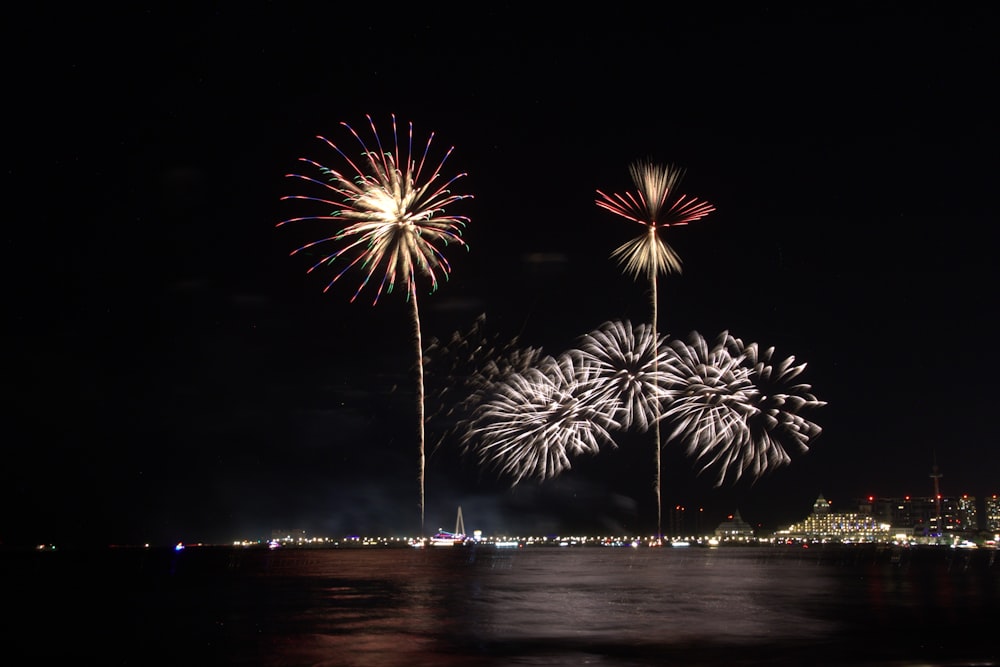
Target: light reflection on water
x,y
534,606
646,606
637,596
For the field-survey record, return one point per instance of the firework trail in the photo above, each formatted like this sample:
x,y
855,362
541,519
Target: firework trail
x,y
386,208
656,204
625,360
535,420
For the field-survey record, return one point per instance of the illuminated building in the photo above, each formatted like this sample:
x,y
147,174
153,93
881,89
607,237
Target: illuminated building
x,y
991,517
967,514
825,525
734,528
928,516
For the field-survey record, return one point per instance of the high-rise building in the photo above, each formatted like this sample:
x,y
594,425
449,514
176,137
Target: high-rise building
x,y
991,514
932,516
967,515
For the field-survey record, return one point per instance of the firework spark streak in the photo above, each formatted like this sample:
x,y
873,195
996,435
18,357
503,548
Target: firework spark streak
x,y
536,420
387,208
625,361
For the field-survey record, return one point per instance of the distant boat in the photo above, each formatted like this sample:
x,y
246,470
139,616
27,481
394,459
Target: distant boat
x,y
445,539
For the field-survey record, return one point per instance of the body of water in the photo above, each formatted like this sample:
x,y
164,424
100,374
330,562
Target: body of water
x,y
774,605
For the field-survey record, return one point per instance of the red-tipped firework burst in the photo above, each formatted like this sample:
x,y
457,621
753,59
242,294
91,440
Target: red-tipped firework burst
x,y
656,204
388,212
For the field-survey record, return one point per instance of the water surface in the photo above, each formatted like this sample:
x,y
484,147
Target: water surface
x,y
487,606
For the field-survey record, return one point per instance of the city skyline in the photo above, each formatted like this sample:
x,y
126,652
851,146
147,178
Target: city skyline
x,y
985,513
176,372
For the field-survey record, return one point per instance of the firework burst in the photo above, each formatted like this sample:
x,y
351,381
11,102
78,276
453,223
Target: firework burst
x,y
624,360
465,368
655,205
387,210
710,398
775,428
535,420
736,411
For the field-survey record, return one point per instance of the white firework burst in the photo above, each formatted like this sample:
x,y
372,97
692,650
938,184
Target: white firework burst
x,y
710,397
625,362
537,419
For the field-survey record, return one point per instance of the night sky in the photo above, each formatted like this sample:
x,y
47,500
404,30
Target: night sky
x,y
173,375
